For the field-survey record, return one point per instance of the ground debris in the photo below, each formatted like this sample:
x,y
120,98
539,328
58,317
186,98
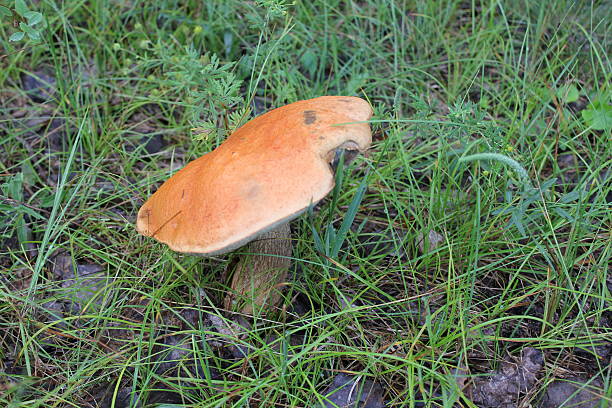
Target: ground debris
x,y
231,336
573,392
503,387
353,392
175,352
85,283
144,129
434,239
125,397
39,85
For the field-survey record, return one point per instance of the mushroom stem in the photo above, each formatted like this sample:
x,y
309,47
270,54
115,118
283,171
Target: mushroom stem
x,y
256,276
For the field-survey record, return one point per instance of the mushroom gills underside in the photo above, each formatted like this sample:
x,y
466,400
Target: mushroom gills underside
x,y
349,149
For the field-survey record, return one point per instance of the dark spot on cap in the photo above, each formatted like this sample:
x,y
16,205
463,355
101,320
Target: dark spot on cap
x,y
252,191
310,117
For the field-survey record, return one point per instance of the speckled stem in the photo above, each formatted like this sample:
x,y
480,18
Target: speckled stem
x,y
259,273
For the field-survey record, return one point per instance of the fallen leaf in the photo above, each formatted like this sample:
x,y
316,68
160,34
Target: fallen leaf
x,y
353,392
434,240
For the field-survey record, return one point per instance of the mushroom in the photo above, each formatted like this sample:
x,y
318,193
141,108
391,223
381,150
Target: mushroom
x,y
265,174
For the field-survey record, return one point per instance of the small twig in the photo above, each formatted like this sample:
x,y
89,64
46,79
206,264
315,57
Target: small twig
x,y
18,203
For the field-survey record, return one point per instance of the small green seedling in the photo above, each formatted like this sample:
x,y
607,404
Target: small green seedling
x,y
598,115
30,23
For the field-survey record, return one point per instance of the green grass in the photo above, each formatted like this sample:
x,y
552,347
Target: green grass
x,y
516,267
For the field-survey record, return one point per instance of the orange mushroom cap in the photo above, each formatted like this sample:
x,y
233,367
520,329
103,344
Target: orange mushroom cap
x,y
266,173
